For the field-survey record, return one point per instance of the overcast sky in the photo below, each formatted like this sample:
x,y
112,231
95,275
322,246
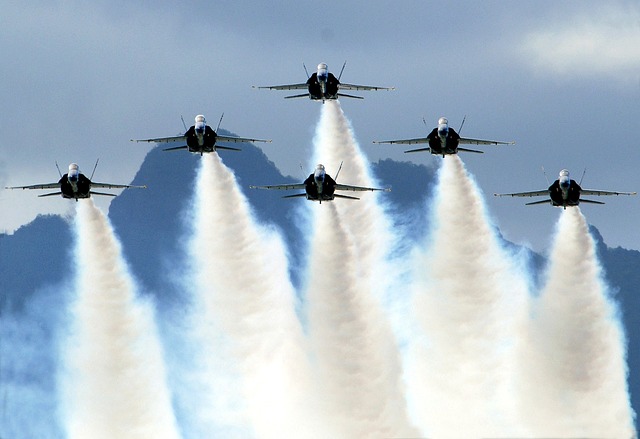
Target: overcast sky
x,y
562,79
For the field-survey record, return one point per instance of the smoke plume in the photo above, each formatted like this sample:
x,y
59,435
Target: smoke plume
x,y
574,359
468,300
114,383
348,278
248,310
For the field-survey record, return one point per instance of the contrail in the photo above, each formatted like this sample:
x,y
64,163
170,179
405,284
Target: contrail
x,y
349,277
574,360
248,303
468,301
114,382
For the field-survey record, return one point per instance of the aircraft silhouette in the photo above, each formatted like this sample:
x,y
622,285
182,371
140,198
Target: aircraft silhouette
x,y
444,140
201,138
323,85
564,192
319,186
75,185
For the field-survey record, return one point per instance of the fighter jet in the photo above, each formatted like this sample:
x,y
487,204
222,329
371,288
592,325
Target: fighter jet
x,y
74,185
320,187
201,138
444,140
564,192
323,86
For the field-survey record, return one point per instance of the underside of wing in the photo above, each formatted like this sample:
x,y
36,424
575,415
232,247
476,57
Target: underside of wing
x,y
347,187
405,141
285,87
115,186
597,192
239,139
363,87
37,186
280,186
526,194
468,141
162,139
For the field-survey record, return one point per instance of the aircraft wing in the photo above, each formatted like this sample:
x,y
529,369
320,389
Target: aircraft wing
x,y
363,87
406,141
596,192
220,138
526,194
468,141
346,187
280,186
285,87
162,139
115,186
37,186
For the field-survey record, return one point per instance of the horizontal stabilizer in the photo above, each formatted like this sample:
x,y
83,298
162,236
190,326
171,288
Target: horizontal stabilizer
x,y
295,195
345,196
102,193
342,95
306,95
470,150
418,150
175,148
50,194
538,202
590,201
228,148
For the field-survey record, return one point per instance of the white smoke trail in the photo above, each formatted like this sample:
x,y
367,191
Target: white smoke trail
x,y
114,383
248,304
356,359
349,277
468,300
574,359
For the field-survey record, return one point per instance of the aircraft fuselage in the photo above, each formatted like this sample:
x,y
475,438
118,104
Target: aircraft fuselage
x,y
320,187
565,192
75,186
201,139
443,141
323,86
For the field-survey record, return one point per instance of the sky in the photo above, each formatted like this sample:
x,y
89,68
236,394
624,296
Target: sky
x,y
562,79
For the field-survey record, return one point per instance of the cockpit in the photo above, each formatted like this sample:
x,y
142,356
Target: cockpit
x,y
443,127
319,174
323,71
74,172
201,123
564,181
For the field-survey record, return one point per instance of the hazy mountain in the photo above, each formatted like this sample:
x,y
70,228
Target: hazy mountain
x,y
152,225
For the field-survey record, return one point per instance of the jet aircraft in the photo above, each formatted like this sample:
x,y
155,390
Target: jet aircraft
x,y
564,192
75,185
444,140
319,186
201,138
323,85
